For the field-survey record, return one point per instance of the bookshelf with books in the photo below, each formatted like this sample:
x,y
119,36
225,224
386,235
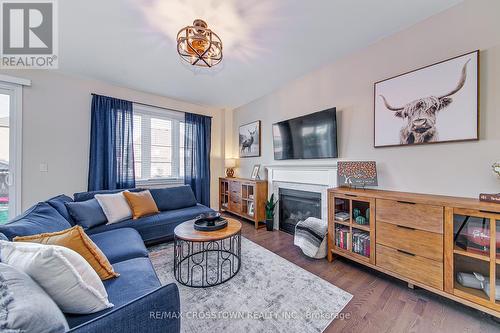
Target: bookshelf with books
x,y
352,227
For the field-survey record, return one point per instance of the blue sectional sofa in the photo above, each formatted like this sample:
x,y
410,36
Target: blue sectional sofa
x,y
137,293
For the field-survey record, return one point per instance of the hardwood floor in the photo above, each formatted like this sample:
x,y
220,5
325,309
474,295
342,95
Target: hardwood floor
x,y
380,303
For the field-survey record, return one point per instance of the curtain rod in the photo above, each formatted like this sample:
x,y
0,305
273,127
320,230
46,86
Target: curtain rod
x,y
155,106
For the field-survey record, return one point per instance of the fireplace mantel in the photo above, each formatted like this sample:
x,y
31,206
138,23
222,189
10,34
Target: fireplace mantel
x,y
313,178
319,174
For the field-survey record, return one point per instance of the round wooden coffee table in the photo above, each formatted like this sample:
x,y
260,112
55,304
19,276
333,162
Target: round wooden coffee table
x,y
205,259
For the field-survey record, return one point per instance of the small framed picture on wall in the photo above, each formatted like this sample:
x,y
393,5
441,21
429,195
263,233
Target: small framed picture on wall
x,y
249,139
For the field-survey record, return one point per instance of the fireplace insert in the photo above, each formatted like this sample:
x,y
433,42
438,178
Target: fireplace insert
x,y
295,206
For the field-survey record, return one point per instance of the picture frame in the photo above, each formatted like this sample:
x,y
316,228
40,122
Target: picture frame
x,y
433,104
251,209
255,172
357,173
249,139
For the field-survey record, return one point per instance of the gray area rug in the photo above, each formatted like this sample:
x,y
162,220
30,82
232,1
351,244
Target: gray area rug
x,y
269,294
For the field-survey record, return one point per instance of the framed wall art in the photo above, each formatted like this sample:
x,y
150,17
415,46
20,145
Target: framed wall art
x,y
249,139
437,103
357,173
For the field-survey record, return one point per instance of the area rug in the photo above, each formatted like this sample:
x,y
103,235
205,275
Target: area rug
x,y
269,294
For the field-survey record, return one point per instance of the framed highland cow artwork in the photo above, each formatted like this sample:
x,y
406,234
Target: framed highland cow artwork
x,y
249,139
433,104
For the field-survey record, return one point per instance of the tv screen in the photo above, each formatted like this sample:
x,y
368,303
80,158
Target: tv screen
x,y
307,137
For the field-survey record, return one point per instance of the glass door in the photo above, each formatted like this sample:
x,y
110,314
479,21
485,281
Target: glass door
x,y
476,253
10,150
5,178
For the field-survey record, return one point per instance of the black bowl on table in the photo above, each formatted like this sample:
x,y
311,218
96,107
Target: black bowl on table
x,y
210,222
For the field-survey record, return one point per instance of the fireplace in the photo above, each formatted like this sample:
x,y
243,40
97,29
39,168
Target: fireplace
x,y
295,206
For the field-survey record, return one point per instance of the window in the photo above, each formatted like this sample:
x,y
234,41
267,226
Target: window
x,y
158,145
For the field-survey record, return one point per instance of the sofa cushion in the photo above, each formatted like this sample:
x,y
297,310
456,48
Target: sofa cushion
x,y
88,213
59,204
141,204
112,245
38,219
172,198
138,278
26,307
84,196
68,278
76,240
114,206
156,227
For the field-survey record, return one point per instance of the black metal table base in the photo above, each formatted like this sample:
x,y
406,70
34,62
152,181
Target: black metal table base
x,y
206,264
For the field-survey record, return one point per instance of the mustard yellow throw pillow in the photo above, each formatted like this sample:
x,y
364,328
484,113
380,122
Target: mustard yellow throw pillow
x,y
77,240
141,203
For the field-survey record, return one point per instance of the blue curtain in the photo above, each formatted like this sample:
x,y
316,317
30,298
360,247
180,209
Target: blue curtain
x,y
197,145
111,144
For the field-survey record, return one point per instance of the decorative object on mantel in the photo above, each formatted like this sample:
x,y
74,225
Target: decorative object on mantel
x,y
249,139
255,172
357,173
270,208
210,222
230,165
496,168
407,105
198,45
495,197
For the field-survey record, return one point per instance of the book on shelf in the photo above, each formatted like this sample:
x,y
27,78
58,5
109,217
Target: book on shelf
x,y
487,197
342,237
342,216
361,243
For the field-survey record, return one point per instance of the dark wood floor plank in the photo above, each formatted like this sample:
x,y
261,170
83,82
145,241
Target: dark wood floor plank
x,y
381,303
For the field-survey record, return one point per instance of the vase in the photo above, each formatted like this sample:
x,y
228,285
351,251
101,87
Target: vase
x,y
270,224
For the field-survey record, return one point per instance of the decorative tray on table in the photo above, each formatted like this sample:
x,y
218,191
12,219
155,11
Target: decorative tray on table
x,y
210,222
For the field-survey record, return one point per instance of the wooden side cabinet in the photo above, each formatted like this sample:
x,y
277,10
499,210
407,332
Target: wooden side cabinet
x,y
244,197
447,245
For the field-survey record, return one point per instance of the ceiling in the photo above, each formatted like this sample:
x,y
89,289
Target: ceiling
x,y
131,43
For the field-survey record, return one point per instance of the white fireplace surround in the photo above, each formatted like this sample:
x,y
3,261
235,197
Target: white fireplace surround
x,y
311,178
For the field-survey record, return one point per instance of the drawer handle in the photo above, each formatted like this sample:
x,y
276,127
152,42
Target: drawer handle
x,y
488,212
351,195
405,227
406,202
407,253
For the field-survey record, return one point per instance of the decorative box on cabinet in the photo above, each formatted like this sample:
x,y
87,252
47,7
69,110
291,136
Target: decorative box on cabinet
x,y
244,197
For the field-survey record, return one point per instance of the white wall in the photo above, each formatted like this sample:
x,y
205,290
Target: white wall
x,y
56,131
462,169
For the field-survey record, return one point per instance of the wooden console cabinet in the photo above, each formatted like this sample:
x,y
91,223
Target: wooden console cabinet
x,y
244,197
425,240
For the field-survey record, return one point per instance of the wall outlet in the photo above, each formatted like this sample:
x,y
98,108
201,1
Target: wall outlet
x,y
44,167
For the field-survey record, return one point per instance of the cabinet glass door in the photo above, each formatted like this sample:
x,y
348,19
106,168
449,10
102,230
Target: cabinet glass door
x,y
476,256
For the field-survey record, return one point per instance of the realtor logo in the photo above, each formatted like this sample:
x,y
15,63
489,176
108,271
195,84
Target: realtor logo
x,y
29,34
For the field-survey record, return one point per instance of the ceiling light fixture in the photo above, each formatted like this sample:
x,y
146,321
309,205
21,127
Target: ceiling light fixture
x,y
199,45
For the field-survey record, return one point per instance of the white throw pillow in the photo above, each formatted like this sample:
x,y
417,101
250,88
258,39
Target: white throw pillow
x,y
115,207
64,275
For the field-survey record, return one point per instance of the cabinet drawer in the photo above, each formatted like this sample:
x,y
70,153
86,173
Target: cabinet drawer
x,y
414,267
409,214
422,243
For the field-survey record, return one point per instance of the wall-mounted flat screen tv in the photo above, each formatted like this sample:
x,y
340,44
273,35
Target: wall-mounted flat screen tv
x,y
307,137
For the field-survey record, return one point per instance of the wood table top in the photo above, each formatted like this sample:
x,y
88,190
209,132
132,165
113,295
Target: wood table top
x,y
187,232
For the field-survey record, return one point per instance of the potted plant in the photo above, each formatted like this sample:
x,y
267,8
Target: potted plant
x,y
270,207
